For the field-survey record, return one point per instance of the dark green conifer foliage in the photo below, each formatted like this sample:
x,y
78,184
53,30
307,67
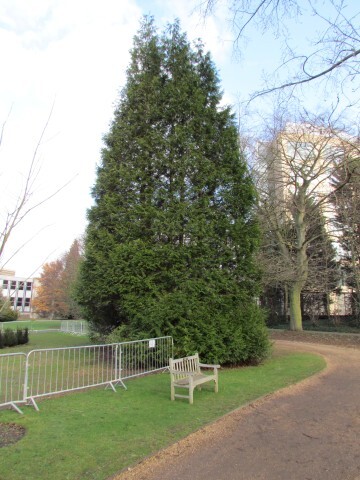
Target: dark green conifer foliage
x,y
170,242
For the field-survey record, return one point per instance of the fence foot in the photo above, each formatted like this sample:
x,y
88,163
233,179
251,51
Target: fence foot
x,y
110,384
15,407
34,404
120,382
113,384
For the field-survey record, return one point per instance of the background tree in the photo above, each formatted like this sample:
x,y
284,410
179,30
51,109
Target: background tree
x,y
71,265
49,299
347,207
295,168
7,314
171,237
323,271
56,295
331,53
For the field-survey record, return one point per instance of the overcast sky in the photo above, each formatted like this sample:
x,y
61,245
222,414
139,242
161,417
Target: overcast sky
x,y
70,56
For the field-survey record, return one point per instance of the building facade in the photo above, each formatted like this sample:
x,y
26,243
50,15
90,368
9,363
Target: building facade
x,y
19,291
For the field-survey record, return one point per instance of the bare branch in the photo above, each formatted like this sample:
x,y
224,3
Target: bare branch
x,y
3,126
309,78
22,206
334,47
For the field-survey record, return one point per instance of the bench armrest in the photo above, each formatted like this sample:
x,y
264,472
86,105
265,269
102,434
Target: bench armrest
x,y
204,365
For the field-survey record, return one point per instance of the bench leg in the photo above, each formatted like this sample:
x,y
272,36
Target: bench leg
x,y
191,396
172,388
191,391
216,385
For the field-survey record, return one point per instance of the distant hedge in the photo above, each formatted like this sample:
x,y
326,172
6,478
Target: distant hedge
x,y
11,338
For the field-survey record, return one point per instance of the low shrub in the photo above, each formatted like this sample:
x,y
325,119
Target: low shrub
x,y
11,338
8,315
22,336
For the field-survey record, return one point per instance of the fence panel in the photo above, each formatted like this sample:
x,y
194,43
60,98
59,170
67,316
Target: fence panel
x,y
58,370
145,356
12,379
78,327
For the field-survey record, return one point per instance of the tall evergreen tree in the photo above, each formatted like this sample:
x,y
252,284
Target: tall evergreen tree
x,y
171,236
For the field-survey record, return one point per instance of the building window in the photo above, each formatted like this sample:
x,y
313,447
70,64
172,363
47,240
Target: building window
x,y
13,284
21,285
27,302
19,302
12,301
28,286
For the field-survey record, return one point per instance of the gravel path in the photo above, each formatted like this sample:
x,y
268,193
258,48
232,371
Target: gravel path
x,y
309,431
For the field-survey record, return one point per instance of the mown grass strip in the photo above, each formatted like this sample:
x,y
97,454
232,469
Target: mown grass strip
x,y
33,324
49,340
94,434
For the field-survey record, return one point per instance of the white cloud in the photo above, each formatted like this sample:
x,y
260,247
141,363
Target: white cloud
x,y
75,52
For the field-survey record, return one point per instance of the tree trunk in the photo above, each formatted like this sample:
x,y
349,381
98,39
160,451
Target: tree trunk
x,y
295,306
286,304
301,263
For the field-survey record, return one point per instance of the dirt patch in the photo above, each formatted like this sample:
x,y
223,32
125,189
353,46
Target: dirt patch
x,y
10,433
351,340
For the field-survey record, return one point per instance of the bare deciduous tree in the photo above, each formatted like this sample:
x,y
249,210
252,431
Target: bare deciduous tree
x,y
13,214
295,166
347,209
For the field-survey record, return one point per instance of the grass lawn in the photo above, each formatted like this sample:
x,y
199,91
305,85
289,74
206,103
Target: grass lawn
x,y
96,433
33,324
49,340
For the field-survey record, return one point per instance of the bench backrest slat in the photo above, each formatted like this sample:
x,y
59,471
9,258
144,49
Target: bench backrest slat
x,y
187,364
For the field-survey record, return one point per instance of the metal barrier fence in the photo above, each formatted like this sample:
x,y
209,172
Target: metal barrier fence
x,y
12,379
78,327
144,356
59,370
46,372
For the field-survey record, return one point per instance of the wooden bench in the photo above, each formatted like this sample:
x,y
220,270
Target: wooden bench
x,y
186,373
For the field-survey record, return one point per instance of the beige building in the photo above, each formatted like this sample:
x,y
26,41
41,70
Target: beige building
x,y
19,291
302,160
